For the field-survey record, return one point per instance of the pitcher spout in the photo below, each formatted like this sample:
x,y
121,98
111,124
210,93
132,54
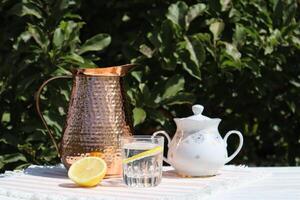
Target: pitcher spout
x,y
120,70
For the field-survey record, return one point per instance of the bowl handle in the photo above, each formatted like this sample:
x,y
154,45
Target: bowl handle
x,y
239,147
168,144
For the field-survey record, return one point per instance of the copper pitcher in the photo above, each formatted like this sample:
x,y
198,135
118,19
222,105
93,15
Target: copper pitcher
x,y
97,117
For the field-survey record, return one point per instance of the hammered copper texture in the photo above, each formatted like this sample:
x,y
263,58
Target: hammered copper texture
x,y
96,120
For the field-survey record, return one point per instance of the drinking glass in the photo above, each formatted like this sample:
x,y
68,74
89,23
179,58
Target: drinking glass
x,y
142,158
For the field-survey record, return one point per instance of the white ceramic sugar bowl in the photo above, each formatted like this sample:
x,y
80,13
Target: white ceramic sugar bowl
x,y
197,148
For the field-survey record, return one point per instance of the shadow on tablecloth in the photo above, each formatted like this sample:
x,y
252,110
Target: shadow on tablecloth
x,y
58,171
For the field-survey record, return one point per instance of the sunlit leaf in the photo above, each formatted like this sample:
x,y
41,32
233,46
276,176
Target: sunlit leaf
x,y
232,51
58,38
225,4
139,115
137,75
177,12
216,28
194,12
96,43
147,51
23,9
173,86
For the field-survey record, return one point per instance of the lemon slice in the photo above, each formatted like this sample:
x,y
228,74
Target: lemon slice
x,y
144,154
88,171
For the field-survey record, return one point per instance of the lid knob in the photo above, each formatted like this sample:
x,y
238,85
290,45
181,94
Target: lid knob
x,y
197,109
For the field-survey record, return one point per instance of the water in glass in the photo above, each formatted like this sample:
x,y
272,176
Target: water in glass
x,y
144,170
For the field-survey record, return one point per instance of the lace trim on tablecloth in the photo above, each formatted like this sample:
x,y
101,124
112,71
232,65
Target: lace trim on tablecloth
x,y
22,172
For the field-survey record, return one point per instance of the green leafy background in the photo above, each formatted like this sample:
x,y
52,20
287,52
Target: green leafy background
x,y
238,58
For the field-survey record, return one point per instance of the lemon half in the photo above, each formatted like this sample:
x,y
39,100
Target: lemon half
x,y
88,171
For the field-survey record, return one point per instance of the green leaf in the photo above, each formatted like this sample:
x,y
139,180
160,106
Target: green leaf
x,y
192,55
168,34
173,86
137,75
10,139
177,12
6,117
230,64
292,9
64,4
154,39
216,28
70,31
240,34
232,51
157,116
278,12
272,41
58,38
74,58
88,64
194,12
296,41
226,4
235,15
139,115
146,50
133,96
295,83
96,43
145,92
168,37
23,38
202,37
181,98
23,9
52,121
23,166
147,97
215,5
292,106
39,36
1,165
11,158
196,50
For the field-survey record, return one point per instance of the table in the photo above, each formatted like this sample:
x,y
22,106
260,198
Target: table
x,y
283,184
275,183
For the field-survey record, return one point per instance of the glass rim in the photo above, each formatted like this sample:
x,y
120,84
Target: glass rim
x,y
142,137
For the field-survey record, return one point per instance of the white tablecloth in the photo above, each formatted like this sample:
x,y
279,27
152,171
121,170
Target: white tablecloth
x,y
284,184
51,183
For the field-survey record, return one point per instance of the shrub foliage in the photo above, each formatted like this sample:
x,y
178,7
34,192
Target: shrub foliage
x,y
240,59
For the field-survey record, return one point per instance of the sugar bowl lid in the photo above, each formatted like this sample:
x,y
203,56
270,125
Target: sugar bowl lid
x,y
197,110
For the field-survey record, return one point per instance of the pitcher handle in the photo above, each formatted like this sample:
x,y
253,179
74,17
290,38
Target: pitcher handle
x,y
241,140
168,139
37,104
